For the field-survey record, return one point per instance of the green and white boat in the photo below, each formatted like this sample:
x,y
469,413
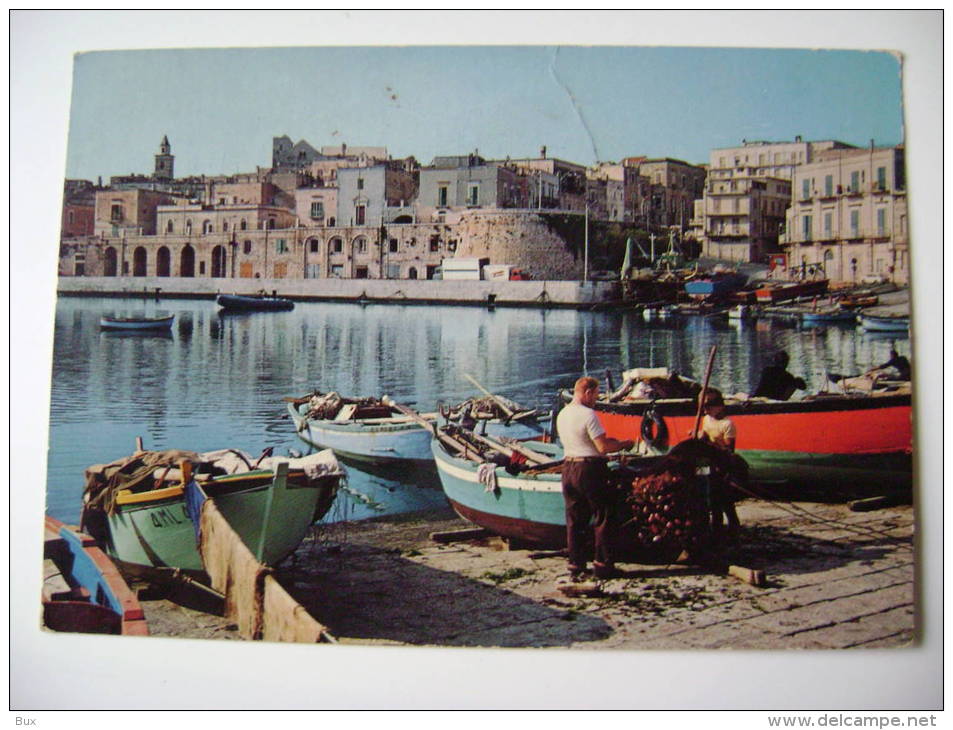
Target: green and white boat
x,y
137,508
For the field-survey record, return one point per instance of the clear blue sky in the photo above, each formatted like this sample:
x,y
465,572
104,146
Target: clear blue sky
x,y
221,108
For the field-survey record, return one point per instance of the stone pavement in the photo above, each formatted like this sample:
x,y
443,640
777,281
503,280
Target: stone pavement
x,y
835,579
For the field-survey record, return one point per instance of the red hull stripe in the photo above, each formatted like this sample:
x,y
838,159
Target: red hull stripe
x,y
868,431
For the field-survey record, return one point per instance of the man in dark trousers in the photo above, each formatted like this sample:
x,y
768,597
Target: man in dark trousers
x,y
585,479
776,382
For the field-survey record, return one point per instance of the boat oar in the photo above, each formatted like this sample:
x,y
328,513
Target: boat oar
x,y
500,403
429,425
704,392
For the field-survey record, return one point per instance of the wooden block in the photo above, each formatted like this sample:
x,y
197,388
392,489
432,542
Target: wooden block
x,y
468,533
747,575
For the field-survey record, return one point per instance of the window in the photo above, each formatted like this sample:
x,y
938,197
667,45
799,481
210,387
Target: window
x,y
281,245
337,245
317,210
392,246
442,193
881,178
855,181
360,245
473,194
246,247
828,222
881,221
360,183
243,225
435,243
206,227
828,185
224,225
805,189
314,245
359,213
855,223
169,228
115,213
806,230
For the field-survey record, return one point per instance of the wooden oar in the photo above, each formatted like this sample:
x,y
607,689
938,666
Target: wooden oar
x,y
430,426
500,403
701,396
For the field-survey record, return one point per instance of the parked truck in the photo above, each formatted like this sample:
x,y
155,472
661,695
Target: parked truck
x,y
463,269
505,272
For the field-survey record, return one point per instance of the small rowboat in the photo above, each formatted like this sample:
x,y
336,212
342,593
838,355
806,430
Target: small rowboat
x,y
136,324
136,507
373,430
884,323
774,292
83,590
253,303
825,315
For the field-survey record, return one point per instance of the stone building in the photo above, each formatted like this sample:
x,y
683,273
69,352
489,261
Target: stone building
x,y
849,215
747,194
316,205
375,195
551,183
673,188
127,212
466,182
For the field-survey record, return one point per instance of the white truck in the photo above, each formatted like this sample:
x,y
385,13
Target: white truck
x,y
463,269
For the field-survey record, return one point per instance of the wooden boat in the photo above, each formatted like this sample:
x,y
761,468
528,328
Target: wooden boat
x,y
825,437
717,285
826,315
137,506
136,324
253,303
775,292
83,590
378,430
884,322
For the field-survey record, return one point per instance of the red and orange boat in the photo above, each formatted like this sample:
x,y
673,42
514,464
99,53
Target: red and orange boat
x,y
827,439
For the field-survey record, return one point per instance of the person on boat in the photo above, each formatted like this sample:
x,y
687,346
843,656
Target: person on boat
x,y
720,431
776,382
896,368
585,480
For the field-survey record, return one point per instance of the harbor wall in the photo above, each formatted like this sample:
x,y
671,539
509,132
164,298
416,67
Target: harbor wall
x,y
565,294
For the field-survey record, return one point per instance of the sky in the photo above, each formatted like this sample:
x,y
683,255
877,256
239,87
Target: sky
x,y
220,108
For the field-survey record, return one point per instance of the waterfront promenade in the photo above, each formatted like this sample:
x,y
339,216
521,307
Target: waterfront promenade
x,y
556,294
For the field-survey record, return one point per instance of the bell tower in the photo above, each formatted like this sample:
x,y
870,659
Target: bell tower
x,y
164,161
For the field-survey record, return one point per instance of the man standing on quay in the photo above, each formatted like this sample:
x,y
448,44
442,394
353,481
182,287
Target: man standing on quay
x,y
585,479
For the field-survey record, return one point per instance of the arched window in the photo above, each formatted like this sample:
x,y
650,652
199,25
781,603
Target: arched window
x,y
163,262
360,245
110,262
139,261
412,273
187,262
218,262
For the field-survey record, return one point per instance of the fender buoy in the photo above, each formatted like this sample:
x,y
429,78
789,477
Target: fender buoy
x,y
654,431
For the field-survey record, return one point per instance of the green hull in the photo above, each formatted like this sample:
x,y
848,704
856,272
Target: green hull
x,y
271,519
858,471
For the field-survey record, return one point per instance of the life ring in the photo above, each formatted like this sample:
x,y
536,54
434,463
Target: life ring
x,y
654,431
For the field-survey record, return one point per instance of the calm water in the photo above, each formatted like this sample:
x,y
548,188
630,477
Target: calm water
x,y
217,381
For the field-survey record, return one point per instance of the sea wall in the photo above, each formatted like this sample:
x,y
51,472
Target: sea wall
x,y
562,294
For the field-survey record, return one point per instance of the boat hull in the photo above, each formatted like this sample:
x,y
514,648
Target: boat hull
x,y
156,531
786,292
884,324
830,440
143,324
385,442
238,303
525,508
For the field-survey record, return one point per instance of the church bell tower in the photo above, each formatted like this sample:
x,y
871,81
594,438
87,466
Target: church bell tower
x,y
164,161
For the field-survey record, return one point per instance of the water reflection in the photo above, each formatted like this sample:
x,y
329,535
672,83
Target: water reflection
x,y
218,381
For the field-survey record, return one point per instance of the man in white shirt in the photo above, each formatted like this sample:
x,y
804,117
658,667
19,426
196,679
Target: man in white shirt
x,y
584,479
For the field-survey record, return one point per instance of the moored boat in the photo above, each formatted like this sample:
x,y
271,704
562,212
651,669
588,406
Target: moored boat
x,y
376,430
137,507
774,292
83,590
827,314
716,285
136,324
823,438
884,322
253,303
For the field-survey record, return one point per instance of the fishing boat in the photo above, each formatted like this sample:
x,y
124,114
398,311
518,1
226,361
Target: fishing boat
x,y
380,430
884,322
136,507
136,324
825,437
716,285
774,292
253,303
83,590
827,315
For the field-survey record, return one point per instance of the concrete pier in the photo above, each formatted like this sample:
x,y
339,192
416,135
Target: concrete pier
x,y
544,294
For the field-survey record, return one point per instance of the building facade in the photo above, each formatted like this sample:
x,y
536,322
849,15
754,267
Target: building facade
x,y
849,215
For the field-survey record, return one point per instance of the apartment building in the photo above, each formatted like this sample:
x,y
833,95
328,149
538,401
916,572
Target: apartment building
x,y
375,195
746,195
849,215
464,182
667,193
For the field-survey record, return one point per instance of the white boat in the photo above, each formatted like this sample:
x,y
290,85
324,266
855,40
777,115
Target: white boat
x,y
131,324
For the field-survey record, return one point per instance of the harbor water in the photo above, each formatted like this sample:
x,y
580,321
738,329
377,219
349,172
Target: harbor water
x,y
217,380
